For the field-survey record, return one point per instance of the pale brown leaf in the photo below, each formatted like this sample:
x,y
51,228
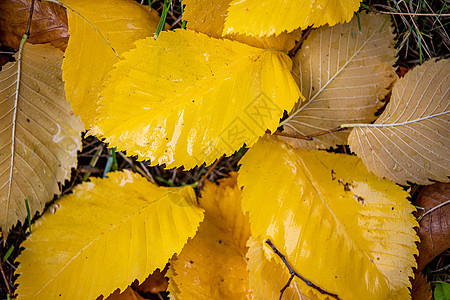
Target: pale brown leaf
x,y
343,74
410,141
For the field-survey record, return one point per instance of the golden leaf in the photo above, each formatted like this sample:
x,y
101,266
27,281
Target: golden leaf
x,y
106,234
212,265
39,136
336,223
208,17
267,17
410,140
99,31
344,74
186,98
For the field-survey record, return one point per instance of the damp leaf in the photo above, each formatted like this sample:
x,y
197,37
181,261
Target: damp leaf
x,y
49,23
410,141
100,31
186,98
98,242
208,17
328,209
268,17
212,265
344,74
39,135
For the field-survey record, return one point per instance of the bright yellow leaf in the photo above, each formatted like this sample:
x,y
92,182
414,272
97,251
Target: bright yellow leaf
x,y
105,235
339,226
208,17
212,265
267,17
105,29
267,277
186,98
410,141
39,135
344,74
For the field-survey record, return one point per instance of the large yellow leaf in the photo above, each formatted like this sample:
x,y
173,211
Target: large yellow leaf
x,y
410,140
208,17
267,17
339,226
343,74
186,98
39,136
103,236
100,31
212,265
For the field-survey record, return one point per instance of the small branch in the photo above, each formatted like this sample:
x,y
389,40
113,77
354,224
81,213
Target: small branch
x,y
293,273
411,14
5,279
433,209
311,136
297,46
213,166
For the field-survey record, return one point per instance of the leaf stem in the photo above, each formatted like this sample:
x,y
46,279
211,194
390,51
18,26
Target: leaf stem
x,y
293,273
394,124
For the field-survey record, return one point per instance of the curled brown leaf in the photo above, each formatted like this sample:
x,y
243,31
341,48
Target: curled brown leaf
x,y
434,230
49,23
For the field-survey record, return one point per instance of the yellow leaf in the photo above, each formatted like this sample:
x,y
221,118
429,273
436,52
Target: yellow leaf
x,y
100,31
267,277
339,226
344,74
39,136
410,141
103,236
186,98
212,265
267,17
208,17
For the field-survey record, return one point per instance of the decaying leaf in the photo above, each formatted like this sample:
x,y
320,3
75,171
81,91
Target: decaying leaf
x,y
410,140
336,223
267,17
344,74
434,230
186,98
212,265
104,235
39,136
107,30
208,17
421,289
49,23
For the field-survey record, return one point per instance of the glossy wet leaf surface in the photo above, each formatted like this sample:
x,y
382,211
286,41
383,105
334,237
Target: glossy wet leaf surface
x,y
328,209
89,57
268,17
186,98
105,235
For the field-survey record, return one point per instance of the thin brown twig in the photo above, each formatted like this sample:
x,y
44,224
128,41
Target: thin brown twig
x,y
213,166
293,273
308,137
297,46
5,279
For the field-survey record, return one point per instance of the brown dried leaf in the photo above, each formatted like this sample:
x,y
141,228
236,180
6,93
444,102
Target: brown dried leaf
x,y
49,23
420,288
434,231
155,283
